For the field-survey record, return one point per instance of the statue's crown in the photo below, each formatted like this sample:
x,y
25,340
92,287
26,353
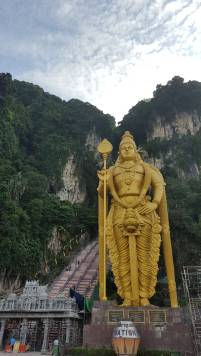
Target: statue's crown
x,y
128,137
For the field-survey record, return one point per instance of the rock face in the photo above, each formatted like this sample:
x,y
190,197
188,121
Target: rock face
x,y
193,171
183,124
54,244
173,132
156,162
71,190
92,141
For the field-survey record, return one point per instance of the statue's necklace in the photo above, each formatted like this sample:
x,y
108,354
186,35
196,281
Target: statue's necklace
x,y
129,177
130,174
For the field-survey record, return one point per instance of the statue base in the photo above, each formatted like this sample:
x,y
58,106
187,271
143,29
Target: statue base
x,y
167,329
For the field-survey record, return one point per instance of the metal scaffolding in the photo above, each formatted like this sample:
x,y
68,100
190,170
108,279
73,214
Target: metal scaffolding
x,y
191,276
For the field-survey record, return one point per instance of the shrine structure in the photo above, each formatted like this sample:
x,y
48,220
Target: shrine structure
x,y
35,319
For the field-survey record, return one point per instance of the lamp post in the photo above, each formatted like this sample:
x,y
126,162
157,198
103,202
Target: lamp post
x,y
125,339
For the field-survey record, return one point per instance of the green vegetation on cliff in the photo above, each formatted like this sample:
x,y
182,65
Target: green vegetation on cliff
x,y
168,100
39,132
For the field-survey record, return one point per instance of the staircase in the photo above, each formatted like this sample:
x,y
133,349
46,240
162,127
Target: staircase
x,y
80,275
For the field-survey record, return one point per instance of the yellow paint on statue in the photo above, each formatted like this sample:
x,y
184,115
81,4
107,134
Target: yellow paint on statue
x,y
104,148
134,225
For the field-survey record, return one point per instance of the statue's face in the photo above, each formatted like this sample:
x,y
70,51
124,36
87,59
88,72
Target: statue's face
x,y
127,151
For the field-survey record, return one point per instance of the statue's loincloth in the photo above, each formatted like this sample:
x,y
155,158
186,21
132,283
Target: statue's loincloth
x,y
147,228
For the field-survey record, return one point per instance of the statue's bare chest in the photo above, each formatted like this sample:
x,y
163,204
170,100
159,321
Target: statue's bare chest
x,y
128,177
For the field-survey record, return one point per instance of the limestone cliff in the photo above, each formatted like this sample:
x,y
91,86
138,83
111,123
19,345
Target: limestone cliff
x,y
173,144
71,187
168,127
55,244
74,190
92,141
182,124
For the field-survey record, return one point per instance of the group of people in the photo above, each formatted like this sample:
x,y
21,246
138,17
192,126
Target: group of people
x,y
16,346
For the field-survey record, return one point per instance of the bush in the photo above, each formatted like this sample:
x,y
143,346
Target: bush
x,y
82,351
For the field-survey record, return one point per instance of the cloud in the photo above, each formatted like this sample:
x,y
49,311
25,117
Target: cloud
x,y
110,53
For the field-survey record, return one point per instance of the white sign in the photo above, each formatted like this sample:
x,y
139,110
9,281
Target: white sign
x,y
126,330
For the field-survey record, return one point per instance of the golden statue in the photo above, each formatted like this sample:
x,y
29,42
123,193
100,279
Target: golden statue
x,y
133,227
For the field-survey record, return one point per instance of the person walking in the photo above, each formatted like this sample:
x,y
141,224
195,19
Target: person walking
x,y
56,348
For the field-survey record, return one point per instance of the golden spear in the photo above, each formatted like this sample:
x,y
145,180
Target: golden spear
x,y
104,148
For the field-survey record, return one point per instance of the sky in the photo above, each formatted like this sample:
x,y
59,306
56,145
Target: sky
x,y
111,53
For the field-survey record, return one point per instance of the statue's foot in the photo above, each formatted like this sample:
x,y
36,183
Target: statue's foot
x,y
144,302
126,303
